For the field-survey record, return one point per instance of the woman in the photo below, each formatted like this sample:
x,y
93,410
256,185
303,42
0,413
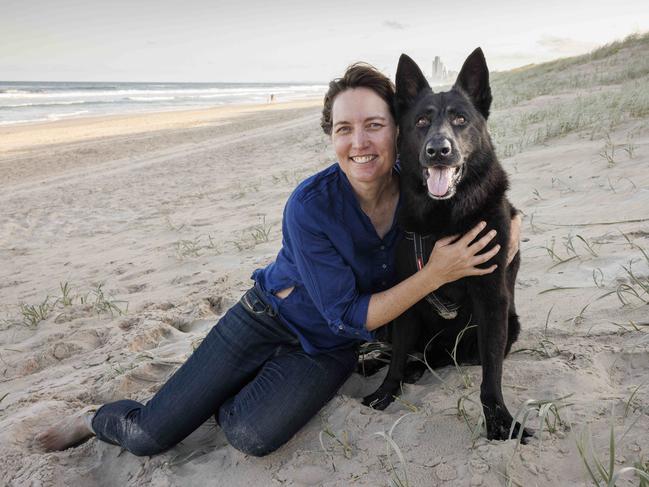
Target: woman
x,y
281,353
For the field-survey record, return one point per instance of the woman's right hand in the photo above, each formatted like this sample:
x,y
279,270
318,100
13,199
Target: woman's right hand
x,y
449,261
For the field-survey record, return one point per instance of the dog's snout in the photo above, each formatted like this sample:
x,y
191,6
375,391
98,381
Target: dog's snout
x,y
439,148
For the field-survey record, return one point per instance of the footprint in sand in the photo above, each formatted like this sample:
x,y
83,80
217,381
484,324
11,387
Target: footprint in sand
x,y
149,338
136,288
190,326
136,275
56,351
127,380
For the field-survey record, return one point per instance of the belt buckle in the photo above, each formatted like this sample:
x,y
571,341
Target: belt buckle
x,y
254,307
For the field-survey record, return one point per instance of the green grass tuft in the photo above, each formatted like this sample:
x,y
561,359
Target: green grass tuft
x,y
33,314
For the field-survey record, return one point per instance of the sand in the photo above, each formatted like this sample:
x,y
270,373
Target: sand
x,y
156,222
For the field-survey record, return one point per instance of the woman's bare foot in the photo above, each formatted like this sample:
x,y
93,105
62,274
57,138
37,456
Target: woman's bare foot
x,y
71,431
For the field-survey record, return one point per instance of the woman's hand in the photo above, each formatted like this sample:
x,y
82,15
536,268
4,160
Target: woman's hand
x,y
514,237
449,262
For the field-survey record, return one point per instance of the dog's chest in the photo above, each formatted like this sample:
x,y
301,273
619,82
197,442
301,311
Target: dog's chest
x,y
413,253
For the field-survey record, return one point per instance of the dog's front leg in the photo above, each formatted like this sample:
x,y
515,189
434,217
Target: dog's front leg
x,y
405,333
490,307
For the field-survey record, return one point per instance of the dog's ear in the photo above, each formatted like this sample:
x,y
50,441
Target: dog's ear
x,y
410,81
473,80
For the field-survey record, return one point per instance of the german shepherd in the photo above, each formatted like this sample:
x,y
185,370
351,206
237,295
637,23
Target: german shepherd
x,y
450,181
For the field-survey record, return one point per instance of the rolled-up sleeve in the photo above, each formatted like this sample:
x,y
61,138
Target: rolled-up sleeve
x,y
328,279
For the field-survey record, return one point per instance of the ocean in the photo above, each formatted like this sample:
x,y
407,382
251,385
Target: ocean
x,y
24,102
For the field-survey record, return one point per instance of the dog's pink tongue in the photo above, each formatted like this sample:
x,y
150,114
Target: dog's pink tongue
x,y
439,179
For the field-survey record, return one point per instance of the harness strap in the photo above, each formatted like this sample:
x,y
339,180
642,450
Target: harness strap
x,y
445,309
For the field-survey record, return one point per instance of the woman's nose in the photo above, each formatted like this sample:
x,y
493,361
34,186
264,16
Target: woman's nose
x,y
359,139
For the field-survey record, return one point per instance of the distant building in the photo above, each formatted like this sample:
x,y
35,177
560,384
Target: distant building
x,y
440,75
439,70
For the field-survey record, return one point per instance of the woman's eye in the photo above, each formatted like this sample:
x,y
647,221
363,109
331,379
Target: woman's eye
x,y
375,125
342,130
422,122
458,120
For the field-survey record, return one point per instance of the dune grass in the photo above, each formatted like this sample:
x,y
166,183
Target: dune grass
x,y
597,113
548,412
202,245
338,442
633,286
601,472
398,476
96,300
571,101
606,65
260,232
33,314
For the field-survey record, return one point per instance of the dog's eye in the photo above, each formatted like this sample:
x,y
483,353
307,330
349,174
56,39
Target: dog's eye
x,y
458,120
422,122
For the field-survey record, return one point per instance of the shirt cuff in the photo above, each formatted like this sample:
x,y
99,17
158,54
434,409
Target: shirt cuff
x,y
352,325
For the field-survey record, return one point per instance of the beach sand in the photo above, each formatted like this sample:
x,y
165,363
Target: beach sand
x,y
155,223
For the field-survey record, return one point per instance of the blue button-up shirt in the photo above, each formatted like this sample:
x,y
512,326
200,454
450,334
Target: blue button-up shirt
x,y
334,259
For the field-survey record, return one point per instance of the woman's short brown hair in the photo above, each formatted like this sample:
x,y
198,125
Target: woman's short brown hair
x,y
358,75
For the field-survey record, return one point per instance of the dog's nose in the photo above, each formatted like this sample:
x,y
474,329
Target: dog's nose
x,y
438,148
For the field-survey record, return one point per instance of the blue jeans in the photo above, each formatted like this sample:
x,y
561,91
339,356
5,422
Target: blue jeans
x,y
250,371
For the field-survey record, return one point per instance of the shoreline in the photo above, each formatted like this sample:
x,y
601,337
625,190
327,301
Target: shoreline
x,y
19,138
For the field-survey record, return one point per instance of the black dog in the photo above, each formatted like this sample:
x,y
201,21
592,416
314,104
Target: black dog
x,y
450,181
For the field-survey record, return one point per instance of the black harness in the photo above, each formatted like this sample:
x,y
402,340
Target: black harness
x,y
445,309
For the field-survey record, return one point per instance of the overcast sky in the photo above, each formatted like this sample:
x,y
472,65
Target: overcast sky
x,y
286,40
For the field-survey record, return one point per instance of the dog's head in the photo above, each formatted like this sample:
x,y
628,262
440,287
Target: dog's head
x,y
439,133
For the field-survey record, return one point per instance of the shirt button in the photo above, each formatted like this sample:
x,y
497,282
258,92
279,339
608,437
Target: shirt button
x,y
382,247
385,266
341,327
383,283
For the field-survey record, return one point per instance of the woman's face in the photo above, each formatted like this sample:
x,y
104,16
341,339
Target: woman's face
x,y
364,135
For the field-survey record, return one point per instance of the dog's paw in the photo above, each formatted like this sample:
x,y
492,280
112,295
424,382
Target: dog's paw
x,y
499,426
525,437
413,372
378,400
500,431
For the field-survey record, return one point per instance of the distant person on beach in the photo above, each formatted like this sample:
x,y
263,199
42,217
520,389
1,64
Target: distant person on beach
x,y
282,352
272,98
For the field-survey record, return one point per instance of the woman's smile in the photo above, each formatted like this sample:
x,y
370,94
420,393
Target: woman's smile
x,y
363,159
